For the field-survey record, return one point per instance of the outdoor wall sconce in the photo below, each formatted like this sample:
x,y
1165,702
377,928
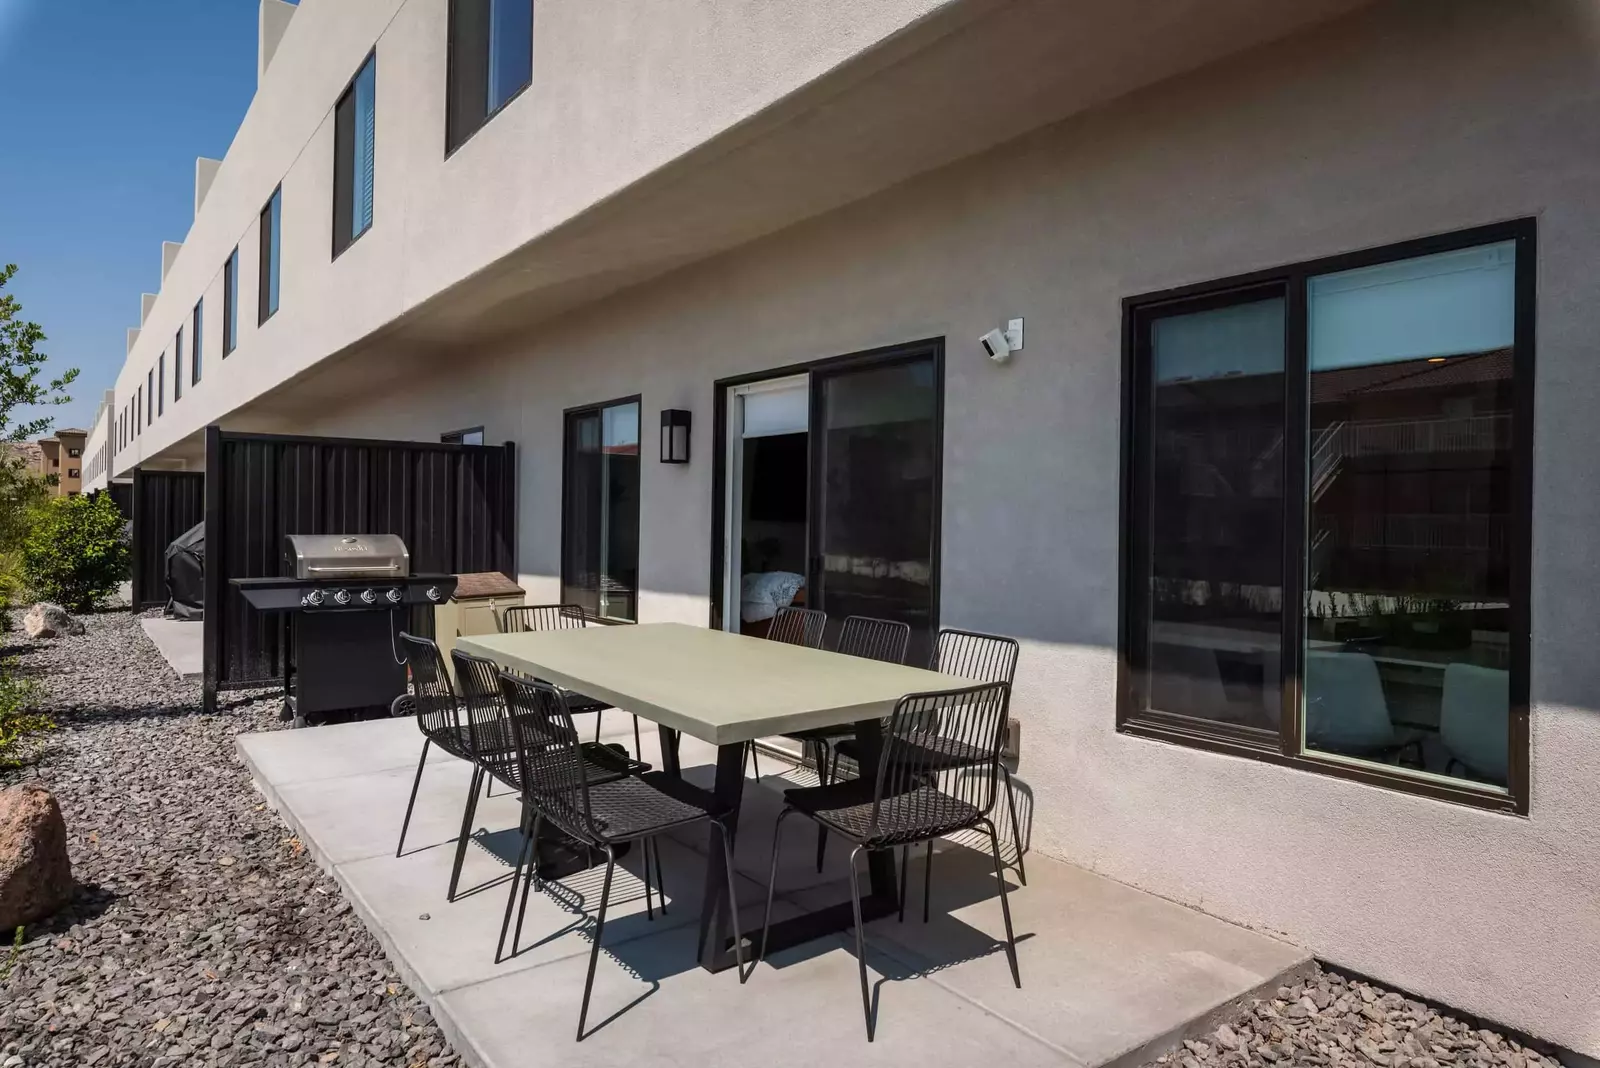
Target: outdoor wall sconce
x,y
674,436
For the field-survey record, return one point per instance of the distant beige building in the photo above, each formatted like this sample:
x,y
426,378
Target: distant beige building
x,y
61,455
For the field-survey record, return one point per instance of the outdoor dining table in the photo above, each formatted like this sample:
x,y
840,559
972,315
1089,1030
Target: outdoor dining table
x,y
727,689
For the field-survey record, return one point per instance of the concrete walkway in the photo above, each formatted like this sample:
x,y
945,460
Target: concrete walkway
x,y
1110,975
180,642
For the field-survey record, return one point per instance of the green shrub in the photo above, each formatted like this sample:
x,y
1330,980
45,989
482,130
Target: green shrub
x,y
75,553
17,719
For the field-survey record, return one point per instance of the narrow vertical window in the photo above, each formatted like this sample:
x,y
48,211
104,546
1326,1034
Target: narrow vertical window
x,y
271,241
354,136
491,61
161,384
177,366
600,510
150,396
197,331
230,304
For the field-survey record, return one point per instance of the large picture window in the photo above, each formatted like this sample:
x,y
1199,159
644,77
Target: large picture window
x,y
1326,515
600,510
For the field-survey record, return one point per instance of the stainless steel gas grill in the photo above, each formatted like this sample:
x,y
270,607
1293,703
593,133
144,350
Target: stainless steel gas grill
x,y
342,599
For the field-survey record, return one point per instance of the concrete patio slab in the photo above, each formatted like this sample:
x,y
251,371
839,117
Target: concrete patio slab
x,y
1111,975
179,642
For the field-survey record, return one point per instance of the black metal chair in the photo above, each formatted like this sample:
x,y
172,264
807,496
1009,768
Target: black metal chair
x,y
438,717
872,639
521,618
492,748
558,789
982,658
908,801
792,626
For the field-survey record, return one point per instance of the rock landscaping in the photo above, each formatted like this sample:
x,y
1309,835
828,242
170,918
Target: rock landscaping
x,y
35,868
1333,1020
199,932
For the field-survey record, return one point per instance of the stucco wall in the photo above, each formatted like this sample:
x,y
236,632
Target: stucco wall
x,y
1413,118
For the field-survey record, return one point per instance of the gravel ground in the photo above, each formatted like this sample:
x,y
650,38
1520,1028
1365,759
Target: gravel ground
x,y
201,933
1333,1020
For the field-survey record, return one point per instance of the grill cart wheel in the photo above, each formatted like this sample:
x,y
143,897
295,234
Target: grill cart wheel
x,y
404,705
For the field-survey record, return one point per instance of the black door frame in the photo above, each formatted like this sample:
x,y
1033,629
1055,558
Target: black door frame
x,y
927,348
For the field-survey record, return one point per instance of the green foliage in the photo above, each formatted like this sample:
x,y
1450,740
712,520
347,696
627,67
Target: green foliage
x,y
17,720
74,552
21,364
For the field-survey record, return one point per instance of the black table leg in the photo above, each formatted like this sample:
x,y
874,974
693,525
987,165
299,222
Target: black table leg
x,y
669,751
881,899
716,917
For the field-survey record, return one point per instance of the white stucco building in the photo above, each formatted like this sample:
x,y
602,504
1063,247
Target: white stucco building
x,y
1286,494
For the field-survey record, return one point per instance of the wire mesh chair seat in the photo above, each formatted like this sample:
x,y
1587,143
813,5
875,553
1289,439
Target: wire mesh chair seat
x,y
557,789
521,619
852,810
907,802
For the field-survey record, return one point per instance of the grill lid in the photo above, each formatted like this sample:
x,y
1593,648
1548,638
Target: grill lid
x,y
343,556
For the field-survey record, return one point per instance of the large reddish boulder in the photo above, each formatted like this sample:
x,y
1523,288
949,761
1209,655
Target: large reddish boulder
x,y
35,874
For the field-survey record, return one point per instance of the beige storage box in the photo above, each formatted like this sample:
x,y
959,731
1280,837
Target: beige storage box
x,y
475,609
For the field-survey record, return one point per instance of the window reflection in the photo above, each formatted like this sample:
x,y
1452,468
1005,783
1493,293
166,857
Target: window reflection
x,y
601,511
1409,495
1216,514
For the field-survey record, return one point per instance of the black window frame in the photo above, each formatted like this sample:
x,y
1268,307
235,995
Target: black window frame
x,y
268,265
196,349
161,385
460,126
230,303
150,396
1285,747
344,163
177,367
567,417
458,437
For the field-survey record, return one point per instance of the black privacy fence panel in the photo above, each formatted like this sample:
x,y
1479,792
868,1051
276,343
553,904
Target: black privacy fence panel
x,y
164,505
453,505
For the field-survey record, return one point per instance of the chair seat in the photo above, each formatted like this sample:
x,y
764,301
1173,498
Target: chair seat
x,y
636,806
935,754
917,814
602,762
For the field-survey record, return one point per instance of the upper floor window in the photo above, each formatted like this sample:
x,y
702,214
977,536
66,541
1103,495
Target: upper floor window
x,y
491,61
72,472
230,304
354,122
79,452
473,436
149,401
177,366
198,332
1327,524
271,255
161,384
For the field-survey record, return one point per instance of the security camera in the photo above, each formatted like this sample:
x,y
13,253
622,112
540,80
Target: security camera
x,y
996,345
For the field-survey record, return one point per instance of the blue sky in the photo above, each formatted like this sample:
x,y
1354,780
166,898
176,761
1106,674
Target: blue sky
x,y
107,104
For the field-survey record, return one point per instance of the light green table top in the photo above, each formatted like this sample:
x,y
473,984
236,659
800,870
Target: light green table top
x,y
719,687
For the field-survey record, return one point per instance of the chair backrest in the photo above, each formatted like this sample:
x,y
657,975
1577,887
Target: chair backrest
x,y
541,617
874,639
483,705
929,733
1346,711
549,755
975,656
437,712
798,626
1475,718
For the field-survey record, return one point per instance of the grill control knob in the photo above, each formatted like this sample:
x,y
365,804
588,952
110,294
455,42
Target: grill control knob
x,y
393,596
341,597
314,598
369,596
433,593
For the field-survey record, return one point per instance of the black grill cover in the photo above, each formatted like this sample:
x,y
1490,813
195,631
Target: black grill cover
x,y
186,574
